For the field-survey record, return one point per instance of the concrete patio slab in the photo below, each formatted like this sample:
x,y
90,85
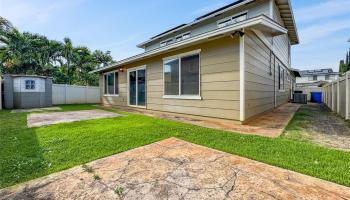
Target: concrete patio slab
x,y
36,109
43,119
269,124
174,169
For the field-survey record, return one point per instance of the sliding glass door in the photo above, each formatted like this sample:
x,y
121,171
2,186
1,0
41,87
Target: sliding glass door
x,y
137,86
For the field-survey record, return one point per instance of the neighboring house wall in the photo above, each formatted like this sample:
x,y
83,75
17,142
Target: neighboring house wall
x,y
253,10
219,69
309,79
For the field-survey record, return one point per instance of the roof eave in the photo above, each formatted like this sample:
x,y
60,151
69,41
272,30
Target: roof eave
x,y
261,20
143,44
295,37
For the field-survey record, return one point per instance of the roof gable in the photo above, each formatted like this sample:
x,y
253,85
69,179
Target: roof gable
x,y
284,7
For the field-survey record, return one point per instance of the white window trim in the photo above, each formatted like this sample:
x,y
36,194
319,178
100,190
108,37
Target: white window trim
x,y
128,85
179,96
173,39
30,84
284,75
230,17
104,84
181,35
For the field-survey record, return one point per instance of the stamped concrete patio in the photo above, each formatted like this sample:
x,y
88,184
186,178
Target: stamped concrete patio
x,y
43,119
174,169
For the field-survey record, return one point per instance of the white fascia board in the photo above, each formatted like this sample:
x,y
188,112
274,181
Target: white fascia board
x,y
195,22
259,20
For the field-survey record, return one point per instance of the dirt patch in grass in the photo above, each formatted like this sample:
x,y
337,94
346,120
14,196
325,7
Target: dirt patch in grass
x,y
316,123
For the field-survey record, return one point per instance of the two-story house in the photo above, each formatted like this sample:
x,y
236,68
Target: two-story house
x,y
313,78
232,63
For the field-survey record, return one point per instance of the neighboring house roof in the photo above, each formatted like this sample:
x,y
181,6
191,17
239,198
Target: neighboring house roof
x,y
261,21
284,6
314,72
295,72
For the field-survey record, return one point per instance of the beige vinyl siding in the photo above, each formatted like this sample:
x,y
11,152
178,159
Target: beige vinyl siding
x,y
219,82
281,43
259,84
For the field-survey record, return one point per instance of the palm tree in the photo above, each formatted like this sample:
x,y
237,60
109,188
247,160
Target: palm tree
x,y
68,55
5,28
102,59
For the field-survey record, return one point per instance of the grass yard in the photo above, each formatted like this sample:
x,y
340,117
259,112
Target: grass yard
x,y
27,153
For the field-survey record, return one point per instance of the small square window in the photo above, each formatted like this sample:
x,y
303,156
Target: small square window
x,y
30,84
178,38
186,35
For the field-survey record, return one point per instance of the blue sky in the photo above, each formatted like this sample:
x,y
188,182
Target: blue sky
x,y
116,25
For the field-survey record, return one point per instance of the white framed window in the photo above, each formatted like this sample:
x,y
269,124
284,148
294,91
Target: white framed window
x,y
280,78
183,36
30,84
232,19
110,82
166,42
182,76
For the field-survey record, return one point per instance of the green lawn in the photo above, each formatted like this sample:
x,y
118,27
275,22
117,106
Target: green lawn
x,y
27,153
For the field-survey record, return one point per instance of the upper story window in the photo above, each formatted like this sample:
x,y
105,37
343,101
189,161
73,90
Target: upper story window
x,y
232,20
327,77
183,36
178,38
111,83
167,42
313,78
30,84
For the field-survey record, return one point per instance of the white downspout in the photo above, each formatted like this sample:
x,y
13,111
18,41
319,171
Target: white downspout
x,y
242,78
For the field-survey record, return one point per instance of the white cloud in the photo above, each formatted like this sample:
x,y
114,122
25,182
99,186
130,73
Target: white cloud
x,y
323,30
328,8
208,8
36,11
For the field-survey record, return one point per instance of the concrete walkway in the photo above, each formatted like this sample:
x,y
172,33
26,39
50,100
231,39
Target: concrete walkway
x,y
174,169
43,119
269,124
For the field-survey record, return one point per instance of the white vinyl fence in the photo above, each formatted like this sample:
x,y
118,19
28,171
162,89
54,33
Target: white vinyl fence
x,y
337,96
73,94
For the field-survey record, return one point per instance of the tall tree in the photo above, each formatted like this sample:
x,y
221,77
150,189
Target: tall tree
x,y
342,67
68,55
28,53
102,59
